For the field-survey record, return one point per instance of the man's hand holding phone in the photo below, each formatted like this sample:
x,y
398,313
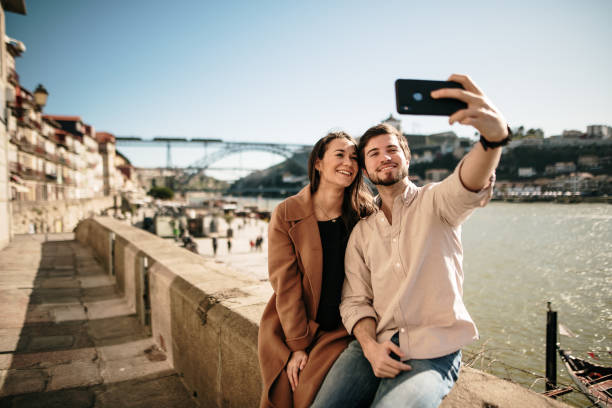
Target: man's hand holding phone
x,y
479,112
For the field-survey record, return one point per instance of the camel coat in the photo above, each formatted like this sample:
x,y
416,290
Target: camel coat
x,y
295,266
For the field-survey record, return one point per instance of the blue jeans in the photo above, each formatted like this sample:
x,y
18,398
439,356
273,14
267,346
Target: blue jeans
x,y
352,383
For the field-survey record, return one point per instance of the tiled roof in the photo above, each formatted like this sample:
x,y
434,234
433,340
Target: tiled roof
x,y
105,137
64,118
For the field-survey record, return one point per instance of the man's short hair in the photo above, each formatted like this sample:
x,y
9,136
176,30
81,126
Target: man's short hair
x,y
381,129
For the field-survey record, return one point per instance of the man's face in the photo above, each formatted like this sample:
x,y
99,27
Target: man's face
x,y
385,161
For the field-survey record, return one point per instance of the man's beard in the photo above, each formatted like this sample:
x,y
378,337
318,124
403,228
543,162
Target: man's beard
x,y
401,174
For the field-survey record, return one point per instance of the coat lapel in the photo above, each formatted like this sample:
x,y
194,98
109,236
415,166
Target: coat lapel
x,y
305,236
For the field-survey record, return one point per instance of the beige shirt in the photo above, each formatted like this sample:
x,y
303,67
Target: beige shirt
x,y
408,276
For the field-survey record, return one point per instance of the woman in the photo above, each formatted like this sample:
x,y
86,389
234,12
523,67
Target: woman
x,y
301,334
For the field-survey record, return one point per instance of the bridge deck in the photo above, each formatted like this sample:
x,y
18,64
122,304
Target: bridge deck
x,y
67,338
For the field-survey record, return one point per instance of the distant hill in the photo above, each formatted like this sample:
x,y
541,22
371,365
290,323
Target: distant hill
x,y
289,175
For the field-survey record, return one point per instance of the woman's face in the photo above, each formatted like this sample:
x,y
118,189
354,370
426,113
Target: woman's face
x,y
339,163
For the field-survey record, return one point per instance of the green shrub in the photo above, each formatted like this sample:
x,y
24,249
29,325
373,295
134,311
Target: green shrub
x,y
163,193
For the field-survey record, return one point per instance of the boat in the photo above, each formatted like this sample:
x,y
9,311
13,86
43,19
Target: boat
x,y
594,380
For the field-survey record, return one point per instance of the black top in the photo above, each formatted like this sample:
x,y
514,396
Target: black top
x,y
334,237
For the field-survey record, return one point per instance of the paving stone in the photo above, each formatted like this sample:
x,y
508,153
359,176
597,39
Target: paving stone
x,y
100,293
9,342
134,368
164,392
90,270
104,309
79,398
6,361
22,381
125,350
50,343
61,273
39,314
77,329
69,313
48,359
114,327
57,282
95,281
72,375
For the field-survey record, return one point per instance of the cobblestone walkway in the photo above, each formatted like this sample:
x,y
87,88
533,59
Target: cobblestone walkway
x,y
68,339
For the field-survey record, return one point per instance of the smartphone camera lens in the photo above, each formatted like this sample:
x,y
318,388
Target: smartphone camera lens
x,y
417,96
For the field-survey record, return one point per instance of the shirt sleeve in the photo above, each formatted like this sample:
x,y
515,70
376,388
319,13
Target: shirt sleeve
x,y
286,281
453,202
357,292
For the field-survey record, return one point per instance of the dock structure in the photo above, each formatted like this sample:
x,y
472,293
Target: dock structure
x,y
113,316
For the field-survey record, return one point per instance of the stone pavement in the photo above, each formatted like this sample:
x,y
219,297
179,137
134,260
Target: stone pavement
x,y
68,339
253,264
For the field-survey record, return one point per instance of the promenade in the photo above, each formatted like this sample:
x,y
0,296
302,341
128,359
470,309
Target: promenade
x,y
68,339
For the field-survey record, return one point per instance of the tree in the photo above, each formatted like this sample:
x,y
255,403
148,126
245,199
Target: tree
x,y
163,193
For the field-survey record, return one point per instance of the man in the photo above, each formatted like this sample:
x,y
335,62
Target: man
x,y
402,296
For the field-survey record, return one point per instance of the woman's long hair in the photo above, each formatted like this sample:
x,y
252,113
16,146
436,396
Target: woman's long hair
x,y
357,202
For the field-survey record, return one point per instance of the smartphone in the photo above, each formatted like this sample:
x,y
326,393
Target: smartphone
x,y
413,97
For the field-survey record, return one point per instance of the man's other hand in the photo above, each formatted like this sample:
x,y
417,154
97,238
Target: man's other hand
x,y
383,365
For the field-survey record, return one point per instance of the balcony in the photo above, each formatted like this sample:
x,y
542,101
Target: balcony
x,y
25,145
65,161
40,151
13,77
14,139
51,177
14,167
31,174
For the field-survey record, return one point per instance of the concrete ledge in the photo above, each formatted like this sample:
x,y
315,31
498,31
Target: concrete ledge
x,y
205,316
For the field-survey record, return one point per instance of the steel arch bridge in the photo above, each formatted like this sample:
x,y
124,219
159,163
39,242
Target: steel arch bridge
x,y
228,148
285,150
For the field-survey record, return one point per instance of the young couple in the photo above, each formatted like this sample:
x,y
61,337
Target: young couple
x,y
386,271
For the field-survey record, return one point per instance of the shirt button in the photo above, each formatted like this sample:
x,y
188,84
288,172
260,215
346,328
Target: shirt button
x,y
403,330
397,264
394,239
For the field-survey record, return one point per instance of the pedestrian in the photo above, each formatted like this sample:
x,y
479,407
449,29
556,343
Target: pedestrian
x,y
229,245
214,245
402,296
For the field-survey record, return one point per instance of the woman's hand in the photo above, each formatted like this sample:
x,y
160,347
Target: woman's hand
x,y
296,363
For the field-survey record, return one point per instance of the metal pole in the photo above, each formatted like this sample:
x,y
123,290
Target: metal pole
x,y
551,349
168,156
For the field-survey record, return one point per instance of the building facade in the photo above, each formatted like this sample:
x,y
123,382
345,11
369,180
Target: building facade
x,y
54,169
6,72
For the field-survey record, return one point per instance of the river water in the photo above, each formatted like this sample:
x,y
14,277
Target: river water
x,y
517,257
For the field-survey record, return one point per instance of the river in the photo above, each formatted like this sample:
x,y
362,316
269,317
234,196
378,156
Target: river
x,y
517,257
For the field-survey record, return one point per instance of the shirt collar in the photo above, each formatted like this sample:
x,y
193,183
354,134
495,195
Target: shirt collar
x,y
406,197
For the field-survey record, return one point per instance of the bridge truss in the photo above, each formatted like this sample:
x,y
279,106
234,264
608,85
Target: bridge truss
x,y
222,150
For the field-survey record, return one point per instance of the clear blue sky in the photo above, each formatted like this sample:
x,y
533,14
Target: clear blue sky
x,y
291,71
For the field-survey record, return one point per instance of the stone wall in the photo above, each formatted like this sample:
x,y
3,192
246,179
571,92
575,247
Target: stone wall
x,y
205,317
54,216
5,214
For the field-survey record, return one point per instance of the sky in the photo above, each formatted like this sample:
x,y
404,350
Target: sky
x,y
289,71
